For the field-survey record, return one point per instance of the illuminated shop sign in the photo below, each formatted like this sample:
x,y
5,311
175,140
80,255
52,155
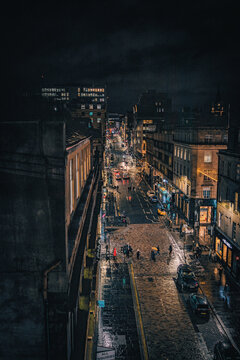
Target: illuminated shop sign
x,y
227,243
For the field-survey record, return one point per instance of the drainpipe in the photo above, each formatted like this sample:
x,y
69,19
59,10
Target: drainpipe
x,y
45,298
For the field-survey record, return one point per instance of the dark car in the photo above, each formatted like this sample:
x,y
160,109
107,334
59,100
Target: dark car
x,y
184,268
199,304
224,350
187,282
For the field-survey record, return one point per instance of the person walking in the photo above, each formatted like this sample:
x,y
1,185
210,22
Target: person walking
x,y
138,254
220,271
210,255
153,255
114,254
170,249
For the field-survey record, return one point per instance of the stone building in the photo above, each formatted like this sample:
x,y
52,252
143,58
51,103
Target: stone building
x,y
50,199
227,229
147,113
195,170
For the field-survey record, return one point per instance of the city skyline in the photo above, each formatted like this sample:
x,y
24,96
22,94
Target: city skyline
x,y
186,50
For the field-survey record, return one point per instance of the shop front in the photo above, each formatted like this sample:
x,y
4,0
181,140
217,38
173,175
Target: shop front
x,y
228,252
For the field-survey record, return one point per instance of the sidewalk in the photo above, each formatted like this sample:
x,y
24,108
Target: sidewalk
x,y
117,327
225,302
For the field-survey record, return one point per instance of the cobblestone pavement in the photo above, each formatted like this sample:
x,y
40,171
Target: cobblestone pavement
x,y
169,331
117,325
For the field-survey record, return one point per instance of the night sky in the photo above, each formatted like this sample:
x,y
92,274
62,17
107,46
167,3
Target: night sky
x,y
187,49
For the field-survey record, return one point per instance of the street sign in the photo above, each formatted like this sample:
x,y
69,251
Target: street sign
x,y
104,353
101,303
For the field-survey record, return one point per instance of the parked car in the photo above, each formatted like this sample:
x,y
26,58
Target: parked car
x,y
224,350
199,304
154,199
184,268
187,282
150,193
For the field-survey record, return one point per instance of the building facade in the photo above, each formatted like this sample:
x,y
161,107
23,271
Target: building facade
x,y
50,196
227,229
83,101
195,173
150,111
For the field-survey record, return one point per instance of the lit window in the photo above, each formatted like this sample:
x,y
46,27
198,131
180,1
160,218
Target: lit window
x,y
208,138
91,113
206,193
98,120
185,154
90,106
207,157
82,107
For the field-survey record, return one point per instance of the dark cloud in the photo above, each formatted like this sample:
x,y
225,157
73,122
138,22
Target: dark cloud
x,y
186,48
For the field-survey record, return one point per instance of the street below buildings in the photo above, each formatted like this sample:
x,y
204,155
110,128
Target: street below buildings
x,y
163,326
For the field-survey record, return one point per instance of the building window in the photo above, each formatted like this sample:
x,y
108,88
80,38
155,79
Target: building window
x,y
99,106
71,185
82,107
175,151
208,138
237,202
77,175
178,152
185,154
91,106
238,172
207,157
234,231
205,214
181,156
206,193
219,219
98,120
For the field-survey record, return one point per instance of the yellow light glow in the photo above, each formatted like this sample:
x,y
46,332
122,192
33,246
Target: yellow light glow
x,y
206,174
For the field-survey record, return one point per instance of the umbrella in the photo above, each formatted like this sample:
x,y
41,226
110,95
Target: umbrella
x,y
154,248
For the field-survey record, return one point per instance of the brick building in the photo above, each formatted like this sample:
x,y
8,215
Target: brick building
x,y
195,169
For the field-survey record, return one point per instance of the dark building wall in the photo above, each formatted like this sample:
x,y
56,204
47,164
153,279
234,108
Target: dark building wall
x,y
32,233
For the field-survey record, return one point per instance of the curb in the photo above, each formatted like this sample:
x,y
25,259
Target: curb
x,y
138,316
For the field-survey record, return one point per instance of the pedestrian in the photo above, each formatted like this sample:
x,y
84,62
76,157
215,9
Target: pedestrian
x,y
138,254
130,249
114,254
158,250
133,188
210,255
170,249
220,270
153,255
226,288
